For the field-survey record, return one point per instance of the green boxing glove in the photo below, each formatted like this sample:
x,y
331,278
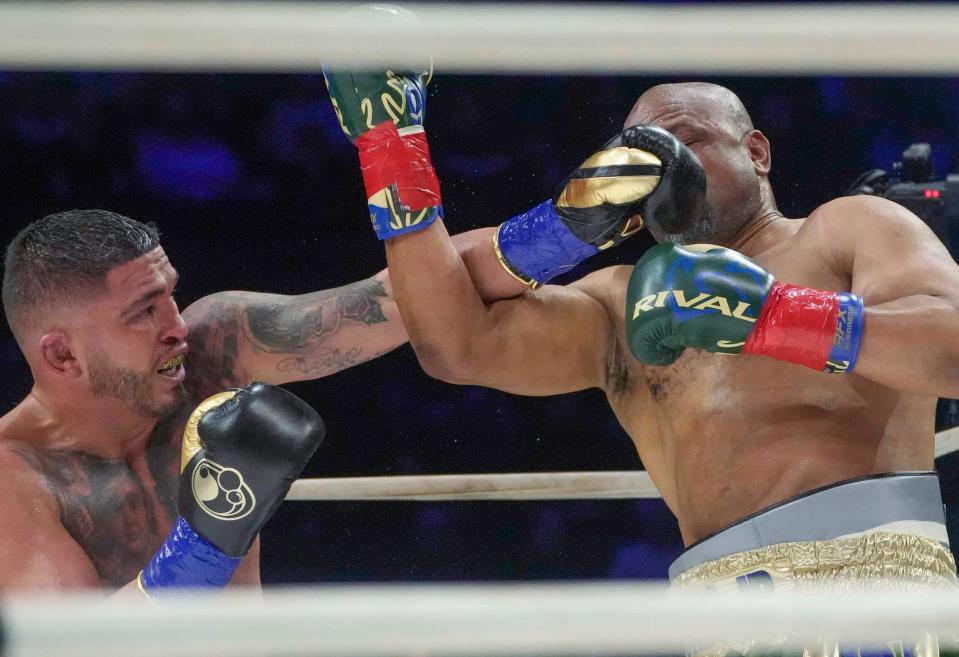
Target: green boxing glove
x,y
382,113
363,100
718,300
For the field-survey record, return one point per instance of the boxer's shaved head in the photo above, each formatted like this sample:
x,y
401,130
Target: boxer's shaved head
x,y
710,99
713,122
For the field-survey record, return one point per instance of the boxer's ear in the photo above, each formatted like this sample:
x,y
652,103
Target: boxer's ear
x,y
57,355
760,152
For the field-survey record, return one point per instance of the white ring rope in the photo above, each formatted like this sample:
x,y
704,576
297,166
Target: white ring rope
x,y
851,38
528,619
517,486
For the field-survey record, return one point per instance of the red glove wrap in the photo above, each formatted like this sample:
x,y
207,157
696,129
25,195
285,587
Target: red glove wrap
x,y
797,324
387,159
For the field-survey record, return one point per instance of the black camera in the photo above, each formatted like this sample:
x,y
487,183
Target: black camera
x,y
911,184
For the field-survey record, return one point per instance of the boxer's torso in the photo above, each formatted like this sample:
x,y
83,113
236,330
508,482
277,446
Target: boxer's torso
x,y
725,436
118,510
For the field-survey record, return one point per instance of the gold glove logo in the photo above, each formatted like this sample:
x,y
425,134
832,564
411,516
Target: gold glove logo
x,y
702,301
221,492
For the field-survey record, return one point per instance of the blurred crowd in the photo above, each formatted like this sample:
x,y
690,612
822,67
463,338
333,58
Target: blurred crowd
x,y
254,187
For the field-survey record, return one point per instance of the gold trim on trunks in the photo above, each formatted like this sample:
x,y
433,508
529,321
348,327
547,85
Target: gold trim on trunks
x,y
877,561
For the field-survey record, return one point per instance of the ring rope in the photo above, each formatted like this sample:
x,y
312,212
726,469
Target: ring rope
x,y
503,619
860,38
632,484
513,486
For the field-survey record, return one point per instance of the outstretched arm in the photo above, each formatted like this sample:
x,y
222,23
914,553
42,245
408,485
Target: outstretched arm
x,y
549,341
910,289
553,340
237,337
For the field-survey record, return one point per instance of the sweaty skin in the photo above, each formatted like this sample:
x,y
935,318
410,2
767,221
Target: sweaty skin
x,y
90,481
721,436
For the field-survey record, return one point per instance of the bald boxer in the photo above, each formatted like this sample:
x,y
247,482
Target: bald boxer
x,y
778,376
90,459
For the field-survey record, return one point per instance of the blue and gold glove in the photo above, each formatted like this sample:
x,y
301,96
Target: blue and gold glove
x,y
643,176
242,450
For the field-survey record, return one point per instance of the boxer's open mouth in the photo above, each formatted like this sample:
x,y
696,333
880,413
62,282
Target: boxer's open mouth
x,y
171,366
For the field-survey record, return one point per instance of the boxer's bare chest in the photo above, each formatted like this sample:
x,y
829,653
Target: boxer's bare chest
x,y
702,383
714,431
118,510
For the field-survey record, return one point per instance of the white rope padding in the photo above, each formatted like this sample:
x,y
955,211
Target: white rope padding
x,y
857,38
437,620
631,484
947,442
518,486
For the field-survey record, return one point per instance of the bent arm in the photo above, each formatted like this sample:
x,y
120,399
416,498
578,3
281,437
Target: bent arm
x,y
238,337
910,287
550,341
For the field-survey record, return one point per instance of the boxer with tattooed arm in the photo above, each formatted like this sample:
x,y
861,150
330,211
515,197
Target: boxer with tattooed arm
x,y
91,457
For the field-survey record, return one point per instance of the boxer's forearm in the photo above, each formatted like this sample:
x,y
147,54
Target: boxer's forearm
x,y
912,345
488,274
441,307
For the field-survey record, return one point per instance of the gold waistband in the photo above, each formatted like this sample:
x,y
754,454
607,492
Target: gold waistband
x,y
870,562
860,562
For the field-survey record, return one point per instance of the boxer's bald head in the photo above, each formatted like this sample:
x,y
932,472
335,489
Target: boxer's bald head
x,y
703,98
713,122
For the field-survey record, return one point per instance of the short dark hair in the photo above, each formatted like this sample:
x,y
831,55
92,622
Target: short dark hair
x,y
65,254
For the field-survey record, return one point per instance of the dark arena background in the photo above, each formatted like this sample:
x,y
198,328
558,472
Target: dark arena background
x,y
255,188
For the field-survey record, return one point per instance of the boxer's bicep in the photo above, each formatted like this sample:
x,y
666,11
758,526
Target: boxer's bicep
x,y
238,337
36,550
910,288
890,253
551,341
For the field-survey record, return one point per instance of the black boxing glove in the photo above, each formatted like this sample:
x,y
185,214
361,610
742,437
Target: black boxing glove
x,y
644,175
241,452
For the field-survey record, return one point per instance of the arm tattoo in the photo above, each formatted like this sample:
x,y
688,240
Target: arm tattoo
x,y
214,348
300,326
294,327
327,361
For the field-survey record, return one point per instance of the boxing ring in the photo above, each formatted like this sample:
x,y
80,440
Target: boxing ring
x,y
612,618
519,486
507,619
536,619
484,37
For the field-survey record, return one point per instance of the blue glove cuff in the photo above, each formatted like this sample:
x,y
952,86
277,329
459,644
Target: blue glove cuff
x,y
187,560
390,220
538,246
845,347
